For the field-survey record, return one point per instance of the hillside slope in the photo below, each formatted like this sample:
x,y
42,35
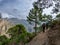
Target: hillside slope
x,y
40,39
54,35
50,37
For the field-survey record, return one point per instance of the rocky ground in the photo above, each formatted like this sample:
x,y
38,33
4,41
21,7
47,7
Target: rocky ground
x,y
50,37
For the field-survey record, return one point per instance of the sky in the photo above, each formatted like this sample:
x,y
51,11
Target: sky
x,y
18,8
48,11
15,8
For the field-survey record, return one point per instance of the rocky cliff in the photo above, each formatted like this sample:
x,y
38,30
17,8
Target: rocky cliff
x,y
4,26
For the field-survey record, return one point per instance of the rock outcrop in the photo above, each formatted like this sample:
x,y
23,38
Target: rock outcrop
x,y
4,26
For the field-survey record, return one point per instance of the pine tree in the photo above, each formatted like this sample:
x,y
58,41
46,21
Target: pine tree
x,y
35,15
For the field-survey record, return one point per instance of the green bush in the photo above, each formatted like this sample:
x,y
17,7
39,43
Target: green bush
x,y
19,34
56,22
4,40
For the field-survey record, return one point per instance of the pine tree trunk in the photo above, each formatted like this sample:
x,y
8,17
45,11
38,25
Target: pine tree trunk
x,y
36,24
35,28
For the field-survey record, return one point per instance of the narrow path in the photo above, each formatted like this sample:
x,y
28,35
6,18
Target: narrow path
x,y
40,39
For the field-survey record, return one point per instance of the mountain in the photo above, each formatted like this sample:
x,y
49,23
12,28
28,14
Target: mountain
x,y
22,21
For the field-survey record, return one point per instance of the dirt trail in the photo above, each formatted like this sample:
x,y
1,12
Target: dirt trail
x,y
40,39
50,37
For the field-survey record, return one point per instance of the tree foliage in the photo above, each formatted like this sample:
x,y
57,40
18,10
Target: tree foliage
x,y
58,16
4,40
35,15
19,34
16,30
46,18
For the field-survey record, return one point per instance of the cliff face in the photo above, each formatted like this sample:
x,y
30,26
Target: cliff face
x,y
50,37
4,26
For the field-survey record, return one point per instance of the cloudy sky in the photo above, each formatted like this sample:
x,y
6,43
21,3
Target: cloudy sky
x,y
15,8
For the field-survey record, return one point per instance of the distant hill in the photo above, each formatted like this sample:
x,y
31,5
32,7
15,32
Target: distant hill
x,y
21,21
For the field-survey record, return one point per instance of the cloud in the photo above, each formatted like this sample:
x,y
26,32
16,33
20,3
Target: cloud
x,y
16,8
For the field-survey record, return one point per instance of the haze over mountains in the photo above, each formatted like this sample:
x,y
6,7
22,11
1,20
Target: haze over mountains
x,y
23,22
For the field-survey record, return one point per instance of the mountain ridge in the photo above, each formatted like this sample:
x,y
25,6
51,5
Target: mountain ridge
x,y
24,22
